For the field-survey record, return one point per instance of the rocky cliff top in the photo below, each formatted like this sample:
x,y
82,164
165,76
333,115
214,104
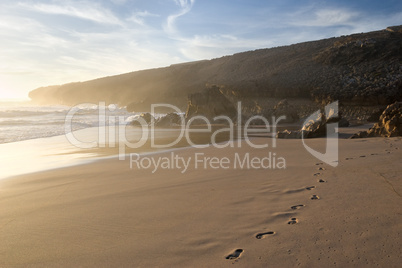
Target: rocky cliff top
x,y
359,69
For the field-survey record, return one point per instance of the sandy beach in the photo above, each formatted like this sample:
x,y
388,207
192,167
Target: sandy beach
x,y
309,214
193,133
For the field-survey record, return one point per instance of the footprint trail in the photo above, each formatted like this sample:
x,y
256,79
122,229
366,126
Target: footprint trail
x,y
262,235
236,254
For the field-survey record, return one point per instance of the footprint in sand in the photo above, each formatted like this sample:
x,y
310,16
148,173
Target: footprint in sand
x,y
293,221
310,188
321,168
362,156
262,235
296,207
236,254
317,174
317,164
321,180
314,197
349,158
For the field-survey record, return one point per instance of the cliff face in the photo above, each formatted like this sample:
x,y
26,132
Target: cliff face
x,y
210,103
361,69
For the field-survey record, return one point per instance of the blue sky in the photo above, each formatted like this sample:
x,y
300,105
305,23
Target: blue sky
x,y
49,42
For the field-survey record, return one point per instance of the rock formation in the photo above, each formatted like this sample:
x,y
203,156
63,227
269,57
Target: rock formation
x,y
166,121
169,120
142,119
375,116
210,103
389,124
283,108
316,126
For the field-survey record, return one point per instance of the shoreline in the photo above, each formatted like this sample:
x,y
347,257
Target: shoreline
x,y
42,154
53,152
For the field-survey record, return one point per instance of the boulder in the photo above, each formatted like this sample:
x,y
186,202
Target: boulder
x,y
344,122
388,125
315,127
141,119
359,135
169,120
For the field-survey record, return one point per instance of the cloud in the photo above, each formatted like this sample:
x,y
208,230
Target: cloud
x,y
202,47
375,22
330,17
281,28
138,17
40,49
119,2
314,23
38,53
185,7
316,16
82,10
324,18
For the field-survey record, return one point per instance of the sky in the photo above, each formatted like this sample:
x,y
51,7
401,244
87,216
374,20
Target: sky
x,y
52,42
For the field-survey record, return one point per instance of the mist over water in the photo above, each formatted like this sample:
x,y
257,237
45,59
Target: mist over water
x,y
24,121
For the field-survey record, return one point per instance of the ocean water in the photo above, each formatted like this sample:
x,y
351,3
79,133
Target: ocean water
x,y
21,121
32,137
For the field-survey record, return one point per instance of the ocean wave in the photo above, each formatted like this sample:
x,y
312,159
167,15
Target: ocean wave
x,y
25,113
18,123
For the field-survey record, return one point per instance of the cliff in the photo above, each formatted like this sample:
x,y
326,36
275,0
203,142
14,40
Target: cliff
x,y
361,69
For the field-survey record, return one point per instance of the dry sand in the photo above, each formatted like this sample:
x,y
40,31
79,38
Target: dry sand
x,y
105,215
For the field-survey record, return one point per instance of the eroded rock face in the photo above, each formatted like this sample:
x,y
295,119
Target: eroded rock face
x,y
283,108
210,103
166,121
389,124
375,116
169,120
316,126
